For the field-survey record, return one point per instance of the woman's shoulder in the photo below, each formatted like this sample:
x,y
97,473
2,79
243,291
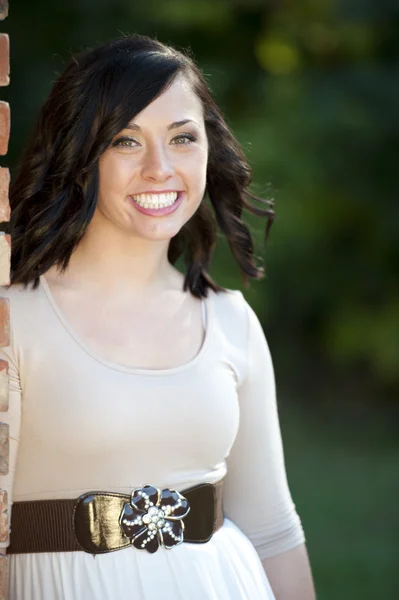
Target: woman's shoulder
x,y
234,312
23,300
231,313
230,302
19,292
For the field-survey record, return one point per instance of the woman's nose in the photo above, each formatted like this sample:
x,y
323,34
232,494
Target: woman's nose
x,y
157,165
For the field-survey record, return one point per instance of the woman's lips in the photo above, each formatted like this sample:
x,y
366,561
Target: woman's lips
x,y
159,212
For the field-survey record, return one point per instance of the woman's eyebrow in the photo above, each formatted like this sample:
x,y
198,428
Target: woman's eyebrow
x,y
174,125
178,124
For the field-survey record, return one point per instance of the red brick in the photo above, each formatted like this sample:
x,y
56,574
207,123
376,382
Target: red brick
x,y
3,577
4,322
3,516
4,201
3,13
4,59
4,448
5,258
4,386
4,127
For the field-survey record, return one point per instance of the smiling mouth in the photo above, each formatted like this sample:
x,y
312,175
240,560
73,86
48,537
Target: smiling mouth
x,y
155,200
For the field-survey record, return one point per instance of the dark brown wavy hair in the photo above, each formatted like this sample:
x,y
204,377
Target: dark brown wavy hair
x,y
54,194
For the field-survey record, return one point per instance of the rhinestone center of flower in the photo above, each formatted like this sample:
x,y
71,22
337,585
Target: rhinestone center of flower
x,y
154,518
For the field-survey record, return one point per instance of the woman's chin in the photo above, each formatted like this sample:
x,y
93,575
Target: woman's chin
x,y
156,233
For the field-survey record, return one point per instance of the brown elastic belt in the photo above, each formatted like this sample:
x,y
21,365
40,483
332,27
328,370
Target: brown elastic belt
x,y
99,522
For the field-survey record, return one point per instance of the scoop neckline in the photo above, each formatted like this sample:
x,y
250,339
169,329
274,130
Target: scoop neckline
x,y
126,368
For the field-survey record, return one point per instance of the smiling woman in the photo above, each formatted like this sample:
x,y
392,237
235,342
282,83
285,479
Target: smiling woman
x,y
100,108
161,169
143,418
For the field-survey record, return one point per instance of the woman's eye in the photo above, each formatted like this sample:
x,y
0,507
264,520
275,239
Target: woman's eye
x,y
125,143
184,139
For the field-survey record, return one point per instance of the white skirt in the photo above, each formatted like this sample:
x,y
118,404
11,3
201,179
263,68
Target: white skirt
x,y
225,568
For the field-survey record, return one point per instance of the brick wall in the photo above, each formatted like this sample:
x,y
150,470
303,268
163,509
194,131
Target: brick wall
x,y
4,280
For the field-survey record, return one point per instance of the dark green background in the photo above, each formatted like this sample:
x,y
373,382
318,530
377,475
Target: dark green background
x,y
311,90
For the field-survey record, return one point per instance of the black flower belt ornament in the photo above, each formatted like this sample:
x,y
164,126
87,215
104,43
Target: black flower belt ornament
x,y
154,518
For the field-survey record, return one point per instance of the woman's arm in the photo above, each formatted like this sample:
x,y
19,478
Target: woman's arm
x,y
289,575
256,493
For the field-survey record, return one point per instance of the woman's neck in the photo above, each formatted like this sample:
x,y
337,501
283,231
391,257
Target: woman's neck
x,y
118,262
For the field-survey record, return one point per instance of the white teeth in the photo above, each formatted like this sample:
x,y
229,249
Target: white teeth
x,y
155,200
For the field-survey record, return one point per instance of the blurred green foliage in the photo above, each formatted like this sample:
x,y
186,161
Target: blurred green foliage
x,y
342,475
311,90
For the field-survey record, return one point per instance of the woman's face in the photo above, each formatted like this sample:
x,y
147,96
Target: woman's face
x,y
153,176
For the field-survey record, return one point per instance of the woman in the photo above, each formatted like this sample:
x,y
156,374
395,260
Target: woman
x,y
136,390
